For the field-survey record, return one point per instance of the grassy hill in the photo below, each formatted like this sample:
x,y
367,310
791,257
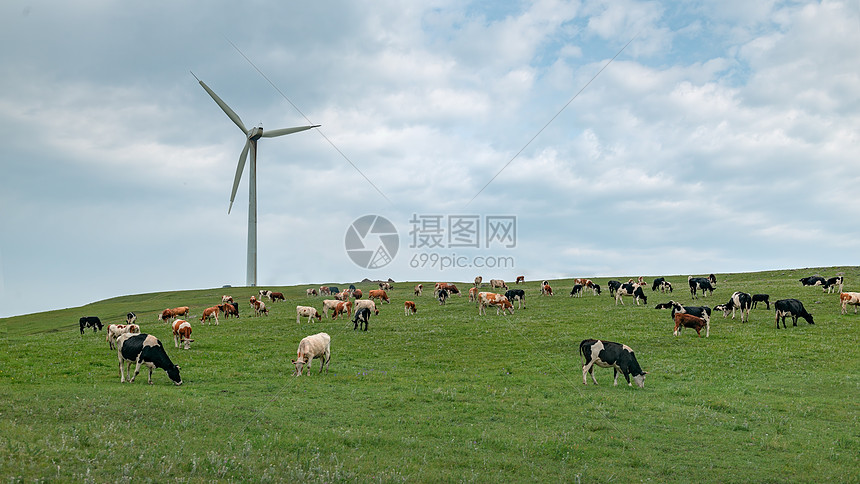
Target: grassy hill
x,y
445,395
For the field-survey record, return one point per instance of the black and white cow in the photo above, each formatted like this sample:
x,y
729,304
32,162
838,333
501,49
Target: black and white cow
x,y
757,298
613,286
813,281
658,282
793,308
144,349
834,284
703,312
442,296
700,283
516,295
362,315
576,291
607,354
130,318
91,322
740,301
630,289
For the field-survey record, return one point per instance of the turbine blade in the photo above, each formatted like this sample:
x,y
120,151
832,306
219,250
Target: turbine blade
x,y
280,132
239,169
224,107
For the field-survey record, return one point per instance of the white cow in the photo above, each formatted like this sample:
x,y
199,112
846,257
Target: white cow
x,y
115,330
329,304
365,303
310,347
307,311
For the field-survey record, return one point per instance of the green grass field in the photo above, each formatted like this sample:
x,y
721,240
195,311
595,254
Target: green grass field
x,y
445,395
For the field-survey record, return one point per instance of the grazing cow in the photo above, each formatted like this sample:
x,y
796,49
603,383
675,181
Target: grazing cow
x,y
419,289
451,288
91,322
442,296
546,290
576,291
813,281
356,293
209,313
492,299
409,307
633,289
130,318
352,287
521,279
265,293
793,308
329,304
613,286
739,301
834,284
229,309
311,292
473,294
114,331
307,311
498,283
595,288
325,291
384,286
607,354
849,298
182,334
276,296
712,279
226,299
144,349
366,303
478,281
379,294
361,316
516,295
684,320
657,283
703,312
333,290
757,298
342,307
260,308
310,347
700,283
343,295
169,314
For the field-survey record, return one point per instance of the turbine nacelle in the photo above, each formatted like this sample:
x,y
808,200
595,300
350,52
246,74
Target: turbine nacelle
x,y
255,133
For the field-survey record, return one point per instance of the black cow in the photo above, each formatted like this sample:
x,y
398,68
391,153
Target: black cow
x,y
334,290
757,298
144,349
702,283
793,308
361,316
607,354
613,286
630,289
739,301
576,291
703,312
658,282
91,322
516,295
813,281
352,287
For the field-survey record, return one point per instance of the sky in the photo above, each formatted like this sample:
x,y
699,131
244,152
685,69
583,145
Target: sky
x,y
547,139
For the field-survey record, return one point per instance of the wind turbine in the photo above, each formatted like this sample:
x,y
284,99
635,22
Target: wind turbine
x,y
252,135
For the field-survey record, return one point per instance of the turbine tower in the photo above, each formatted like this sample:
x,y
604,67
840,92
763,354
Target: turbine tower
x,y
253,135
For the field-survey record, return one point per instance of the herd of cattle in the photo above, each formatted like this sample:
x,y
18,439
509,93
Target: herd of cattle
x,y
142,349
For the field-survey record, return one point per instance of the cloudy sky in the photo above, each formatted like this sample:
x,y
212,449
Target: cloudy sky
x,y
723,137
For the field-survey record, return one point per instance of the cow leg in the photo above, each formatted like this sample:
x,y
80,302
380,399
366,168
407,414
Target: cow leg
x,y
136,370
586,370
615,372
150,375
121,375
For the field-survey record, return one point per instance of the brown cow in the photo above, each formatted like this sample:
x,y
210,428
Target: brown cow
x,y
208,313
409,307
684,320
379,294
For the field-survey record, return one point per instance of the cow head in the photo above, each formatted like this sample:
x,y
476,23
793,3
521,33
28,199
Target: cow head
x,y
639,380
187,344
173,374
300,363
